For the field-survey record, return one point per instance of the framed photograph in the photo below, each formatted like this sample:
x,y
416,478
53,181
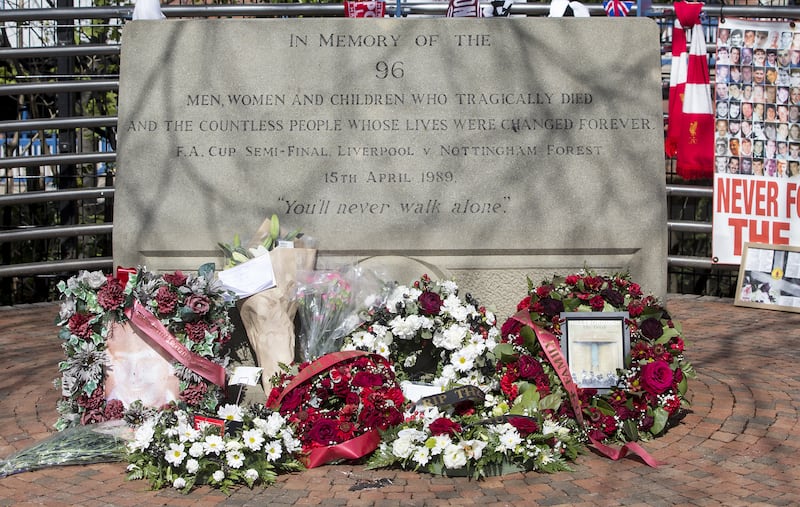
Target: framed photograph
x,y
769,277
595,345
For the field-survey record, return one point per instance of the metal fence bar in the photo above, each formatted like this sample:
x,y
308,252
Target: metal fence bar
x,y
53,267
56,231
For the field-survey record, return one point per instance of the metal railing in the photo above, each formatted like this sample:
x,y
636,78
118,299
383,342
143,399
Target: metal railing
x,y
74,166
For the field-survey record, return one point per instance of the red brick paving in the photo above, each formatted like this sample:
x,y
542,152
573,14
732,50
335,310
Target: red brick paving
x,y
737,446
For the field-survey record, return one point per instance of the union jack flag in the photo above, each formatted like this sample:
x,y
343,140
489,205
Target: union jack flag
x,y
617,8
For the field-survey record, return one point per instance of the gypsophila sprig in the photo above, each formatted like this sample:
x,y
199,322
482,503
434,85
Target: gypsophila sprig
x,y
170,450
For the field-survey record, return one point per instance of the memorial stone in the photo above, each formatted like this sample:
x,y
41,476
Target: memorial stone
x,y
486,150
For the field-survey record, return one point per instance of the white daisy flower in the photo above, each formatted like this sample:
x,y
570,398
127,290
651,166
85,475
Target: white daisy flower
x,y
175,454
235,459
461,360
421,455
230,412
273,450
213,444
253,439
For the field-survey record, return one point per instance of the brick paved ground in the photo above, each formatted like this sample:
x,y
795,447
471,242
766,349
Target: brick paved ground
x,y
739,444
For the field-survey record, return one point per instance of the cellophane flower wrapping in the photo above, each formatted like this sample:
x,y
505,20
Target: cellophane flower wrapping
x,y
329,304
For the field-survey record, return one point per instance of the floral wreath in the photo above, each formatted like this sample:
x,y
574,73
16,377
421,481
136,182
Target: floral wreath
x,y
430,334
338,403
651,389
171,449
192,308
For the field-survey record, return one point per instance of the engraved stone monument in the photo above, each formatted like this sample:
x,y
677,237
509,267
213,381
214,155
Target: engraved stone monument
x,y
486,150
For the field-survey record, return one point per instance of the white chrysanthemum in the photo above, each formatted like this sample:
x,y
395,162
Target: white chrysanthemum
x,y
402,448
218,476
412,434
233,445
187,433
253,439
175,454
192,465
405,328
452,306
473,448
213,444
380,331
551,427
462,360
421,455
363,339
545,457
273,450
179,483
438,443
235,458
448,287
230,412
274,424
290,443
251,474
450,338
454,457
143,436
197,449
383,349
509,440
398,295
94,279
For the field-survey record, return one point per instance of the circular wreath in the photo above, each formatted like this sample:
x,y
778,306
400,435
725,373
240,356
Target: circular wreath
x,y
651,389
430,334
193,308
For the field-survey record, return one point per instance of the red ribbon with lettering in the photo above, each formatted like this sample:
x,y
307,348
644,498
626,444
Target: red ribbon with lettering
x,y
155,330
552,349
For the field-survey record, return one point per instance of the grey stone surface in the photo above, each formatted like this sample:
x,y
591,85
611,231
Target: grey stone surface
x,y
489,149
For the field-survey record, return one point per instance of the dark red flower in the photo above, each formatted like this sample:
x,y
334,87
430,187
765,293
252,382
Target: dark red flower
x,y
93,402
544,290
551,307
597,303
196,331
177,279
614,298
114,410
111,295
444,426
651,328
79,325
572,279
656,377
524,304
324,431
198,304
529,367
430,303
292,400
510,327
367,379
194,394
166,299
525,425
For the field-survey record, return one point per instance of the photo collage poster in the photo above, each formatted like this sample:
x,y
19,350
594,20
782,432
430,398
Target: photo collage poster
x,y
757,138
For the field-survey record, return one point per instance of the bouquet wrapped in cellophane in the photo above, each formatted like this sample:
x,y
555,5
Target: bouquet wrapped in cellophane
x,y
329,304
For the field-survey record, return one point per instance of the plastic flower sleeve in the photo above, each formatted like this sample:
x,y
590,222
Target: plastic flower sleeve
x,y
329,304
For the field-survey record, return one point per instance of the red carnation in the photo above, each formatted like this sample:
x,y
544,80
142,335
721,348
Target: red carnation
x,y
196,331
572,279
367,379
524,304
166,299
544,290
79,325
444,426
111,295
597,303
194,394
114,410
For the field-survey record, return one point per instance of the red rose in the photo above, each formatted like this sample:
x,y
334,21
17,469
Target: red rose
x,y
324,432
367,379
613,297
430,303
656,377
544,290
79,325
529,368
524,304
635,290
292,400
510,327
572,279
525,425
177,279
199,305
111,295
166,300
444,426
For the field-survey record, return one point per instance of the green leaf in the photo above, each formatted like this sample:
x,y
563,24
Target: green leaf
x,y
683,385
505,352
207,270
660,417
550,402
529,339
667,335
528,401
630,430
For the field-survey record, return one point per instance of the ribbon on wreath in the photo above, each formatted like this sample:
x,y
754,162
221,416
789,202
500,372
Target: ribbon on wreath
x,y
351,449
552,349
141,318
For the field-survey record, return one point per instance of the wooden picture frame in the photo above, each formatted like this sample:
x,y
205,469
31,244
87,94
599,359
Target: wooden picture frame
x,y
595,345
769,277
